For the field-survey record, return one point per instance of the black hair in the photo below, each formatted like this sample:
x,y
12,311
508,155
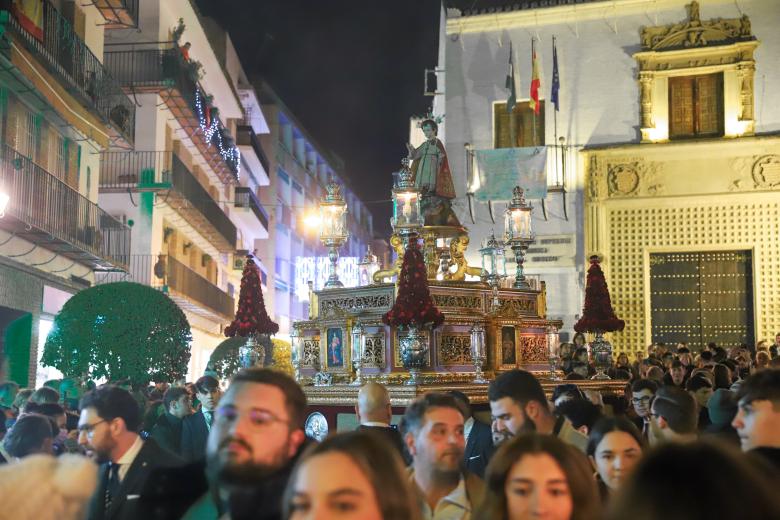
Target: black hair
x,y
763,385
607,425
47,409
677,407
206,384
415,412
567,388
697,383
172,395
580,412
111,402
295,399
706,355
519,385
45,394
677,364
722,375
28,433
463,401
644,384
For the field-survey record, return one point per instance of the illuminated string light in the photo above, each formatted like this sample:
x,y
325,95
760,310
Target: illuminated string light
x,y
230,154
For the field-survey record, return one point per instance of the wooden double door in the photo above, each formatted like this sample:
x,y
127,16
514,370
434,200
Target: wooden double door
x,y
702,297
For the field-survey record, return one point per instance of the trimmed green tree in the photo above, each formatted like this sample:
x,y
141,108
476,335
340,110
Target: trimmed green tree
x,y
120,330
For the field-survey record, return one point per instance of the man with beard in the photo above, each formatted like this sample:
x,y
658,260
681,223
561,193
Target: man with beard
x,y
434,437
108,425
518,404
256,436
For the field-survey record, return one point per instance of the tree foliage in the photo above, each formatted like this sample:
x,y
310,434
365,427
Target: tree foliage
x,y
120,330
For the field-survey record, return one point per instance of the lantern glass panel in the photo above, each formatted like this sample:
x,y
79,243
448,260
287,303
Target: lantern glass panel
x,y
357,341
406,209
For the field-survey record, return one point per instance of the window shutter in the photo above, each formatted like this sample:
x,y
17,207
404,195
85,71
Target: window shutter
x,y
501,131
681,107
709,104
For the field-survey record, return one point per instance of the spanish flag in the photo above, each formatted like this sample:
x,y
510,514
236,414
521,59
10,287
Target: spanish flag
x,y
535,80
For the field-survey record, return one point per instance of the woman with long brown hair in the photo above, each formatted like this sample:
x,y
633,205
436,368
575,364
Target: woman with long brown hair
x,y
539,475
350,475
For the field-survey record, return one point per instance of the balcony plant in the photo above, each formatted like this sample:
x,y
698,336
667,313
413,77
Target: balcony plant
x,y
120,330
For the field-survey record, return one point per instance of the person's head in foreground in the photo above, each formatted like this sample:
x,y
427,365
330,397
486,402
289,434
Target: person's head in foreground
x,y
350,475
758,414
539,476
258,428
31,434
726,486
615,446
518,404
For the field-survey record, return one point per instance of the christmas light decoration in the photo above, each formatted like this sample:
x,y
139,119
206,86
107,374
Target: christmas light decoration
x,y
211,127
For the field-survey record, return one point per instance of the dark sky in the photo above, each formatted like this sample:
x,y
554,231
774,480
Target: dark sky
x,y
350,70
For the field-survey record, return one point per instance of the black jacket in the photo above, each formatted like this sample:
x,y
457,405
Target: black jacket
x,y
479,448
125,505
194,435
167,433
393,436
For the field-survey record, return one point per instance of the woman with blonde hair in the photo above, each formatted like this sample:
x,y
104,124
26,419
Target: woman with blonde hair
x,y
350,475
539,476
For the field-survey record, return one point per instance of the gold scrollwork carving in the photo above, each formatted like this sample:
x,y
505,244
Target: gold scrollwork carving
x,y
374,351
311,353
533,349
455,349
457,301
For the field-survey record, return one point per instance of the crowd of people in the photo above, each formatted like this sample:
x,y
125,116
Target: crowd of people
x,y
691,437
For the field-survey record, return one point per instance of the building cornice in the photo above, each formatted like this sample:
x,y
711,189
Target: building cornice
x,y
606,10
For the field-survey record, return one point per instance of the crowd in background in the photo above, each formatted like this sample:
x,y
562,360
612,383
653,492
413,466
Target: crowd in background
x,y
694,435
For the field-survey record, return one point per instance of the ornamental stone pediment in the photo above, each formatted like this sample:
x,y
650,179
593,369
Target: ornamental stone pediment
x,y
695,32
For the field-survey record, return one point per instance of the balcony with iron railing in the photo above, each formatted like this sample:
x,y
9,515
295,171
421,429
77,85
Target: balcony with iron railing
x,y
51,214
161,68
119,14
191,291
246,137
246,199
64,54
165,173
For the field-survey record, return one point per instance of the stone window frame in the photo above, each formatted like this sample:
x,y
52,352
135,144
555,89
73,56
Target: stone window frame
x,y
735,61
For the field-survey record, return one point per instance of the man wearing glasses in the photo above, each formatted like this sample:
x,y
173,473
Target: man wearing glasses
x,y
256,436
673,416
108,426
642,392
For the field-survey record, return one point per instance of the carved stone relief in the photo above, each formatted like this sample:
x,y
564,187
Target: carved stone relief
x,y
633,176
455,349
457,302
766,171
696,33
515,308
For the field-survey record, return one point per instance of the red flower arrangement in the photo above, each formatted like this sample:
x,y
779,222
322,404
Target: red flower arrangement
x,y
413,306
597,313
251,317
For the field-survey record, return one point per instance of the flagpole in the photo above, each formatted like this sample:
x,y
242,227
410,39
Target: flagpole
x,y
533,53
555,127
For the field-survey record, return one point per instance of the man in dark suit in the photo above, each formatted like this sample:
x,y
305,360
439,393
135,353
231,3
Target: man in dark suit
x,y
167,429
479,437
195,428
108,425
374,414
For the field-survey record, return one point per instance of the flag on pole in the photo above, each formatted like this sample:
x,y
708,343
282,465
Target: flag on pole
x,y
510,83
535,80
556,80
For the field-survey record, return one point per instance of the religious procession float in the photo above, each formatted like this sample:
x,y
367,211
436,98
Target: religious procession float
x,y
430,321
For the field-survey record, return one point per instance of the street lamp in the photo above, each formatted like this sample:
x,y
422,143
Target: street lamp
x,y
493,265
367,267
357,352
333,229
519,234
407,217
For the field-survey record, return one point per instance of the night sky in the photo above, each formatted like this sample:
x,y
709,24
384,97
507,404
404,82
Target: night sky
x,y
351,71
